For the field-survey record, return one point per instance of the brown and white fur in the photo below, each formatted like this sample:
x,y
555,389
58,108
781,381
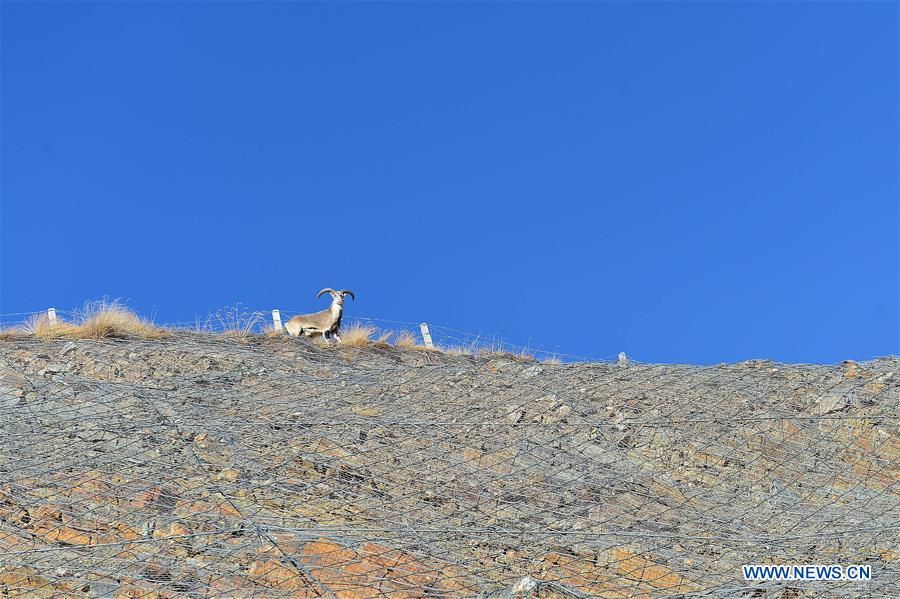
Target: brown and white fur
x,y
326,323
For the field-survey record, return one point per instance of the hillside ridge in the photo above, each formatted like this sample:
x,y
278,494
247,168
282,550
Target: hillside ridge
x,y
200,465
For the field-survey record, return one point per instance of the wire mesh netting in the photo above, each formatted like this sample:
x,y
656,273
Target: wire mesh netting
x,y
201,465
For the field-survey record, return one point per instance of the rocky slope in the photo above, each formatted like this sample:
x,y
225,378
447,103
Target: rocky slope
x,y
201,465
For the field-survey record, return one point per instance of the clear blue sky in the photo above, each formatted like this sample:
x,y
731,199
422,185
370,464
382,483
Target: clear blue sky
x,y
694,182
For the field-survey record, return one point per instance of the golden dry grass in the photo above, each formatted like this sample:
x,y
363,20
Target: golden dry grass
x,y
40,326
458,351
111,319
405,339
10,334
357,335
383,339
97,320
242,337
551,360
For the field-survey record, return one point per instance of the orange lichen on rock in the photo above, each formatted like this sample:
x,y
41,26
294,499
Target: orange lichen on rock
x,y
406,572
376,570
275,574
647,572
615,574
223,506
52,524
26,582
343,571
580,573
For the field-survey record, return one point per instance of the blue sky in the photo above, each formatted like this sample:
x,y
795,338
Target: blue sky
x,y
692,182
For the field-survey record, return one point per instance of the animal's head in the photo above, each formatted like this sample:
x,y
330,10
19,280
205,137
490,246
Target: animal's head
x,y
337,296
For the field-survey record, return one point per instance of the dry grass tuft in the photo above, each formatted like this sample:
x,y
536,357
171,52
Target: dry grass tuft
x,y
384,339
40,326
458,351
357,335
405,339
269,331
552,360
11,334
106,319
236,321
102,319
241,337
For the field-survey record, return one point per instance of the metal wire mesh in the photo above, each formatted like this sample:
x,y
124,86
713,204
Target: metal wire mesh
x,y
203,465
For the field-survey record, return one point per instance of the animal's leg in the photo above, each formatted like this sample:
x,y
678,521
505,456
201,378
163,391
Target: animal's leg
x,y
325,336
336,336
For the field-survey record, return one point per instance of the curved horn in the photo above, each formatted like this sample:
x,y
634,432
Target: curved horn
x,y
327,289
348,292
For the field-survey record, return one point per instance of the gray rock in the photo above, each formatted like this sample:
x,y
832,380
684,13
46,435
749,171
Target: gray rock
x,y
513,413
10,402
839,398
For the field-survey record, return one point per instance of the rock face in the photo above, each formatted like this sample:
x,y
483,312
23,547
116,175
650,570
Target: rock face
x,y
205,466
